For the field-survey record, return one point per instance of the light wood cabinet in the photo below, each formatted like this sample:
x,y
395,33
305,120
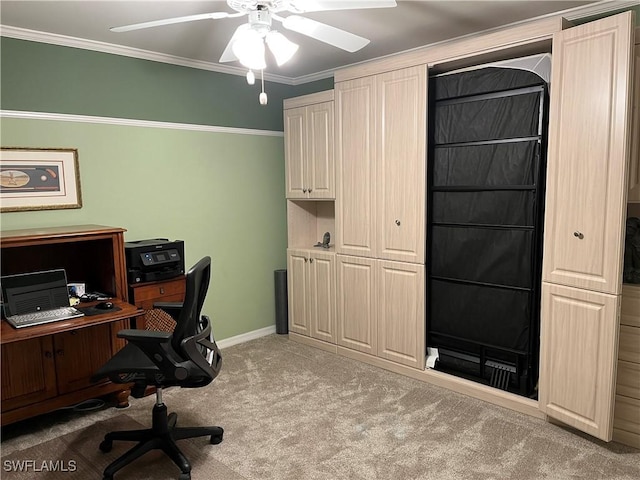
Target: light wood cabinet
x,y
312,294
309,149
380,158
401,313
585,222
634,167
381,309
357,305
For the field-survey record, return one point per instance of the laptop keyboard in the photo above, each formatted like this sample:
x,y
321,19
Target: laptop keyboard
x,y
45,316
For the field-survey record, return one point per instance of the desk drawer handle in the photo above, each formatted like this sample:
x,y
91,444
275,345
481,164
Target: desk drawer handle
x,y
161,290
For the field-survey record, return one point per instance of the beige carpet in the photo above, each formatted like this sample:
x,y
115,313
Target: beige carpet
x,y
291,412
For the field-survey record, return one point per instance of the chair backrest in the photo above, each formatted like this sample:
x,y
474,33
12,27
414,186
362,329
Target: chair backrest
x,y
188,321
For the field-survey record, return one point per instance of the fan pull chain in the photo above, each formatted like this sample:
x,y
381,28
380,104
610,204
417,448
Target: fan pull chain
x,y
263,96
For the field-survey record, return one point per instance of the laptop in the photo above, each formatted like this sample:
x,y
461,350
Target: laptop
x,y
36,298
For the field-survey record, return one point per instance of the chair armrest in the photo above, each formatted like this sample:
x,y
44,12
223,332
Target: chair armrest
x,y
144,336
172,308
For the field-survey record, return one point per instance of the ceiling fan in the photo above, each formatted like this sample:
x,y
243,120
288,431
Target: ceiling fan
x,y
247,44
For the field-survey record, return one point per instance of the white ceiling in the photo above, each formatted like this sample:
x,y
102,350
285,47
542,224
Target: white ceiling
x,y
411,24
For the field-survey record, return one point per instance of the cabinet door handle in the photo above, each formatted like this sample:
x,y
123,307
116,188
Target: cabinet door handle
x,y
161,290
304,190
578,235
311,260
310,190
60,353
306,259
48,354
398,222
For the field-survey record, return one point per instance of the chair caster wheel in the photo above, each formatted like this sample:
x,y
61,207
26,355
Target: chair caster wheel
x,y
185,476
215,439
106,446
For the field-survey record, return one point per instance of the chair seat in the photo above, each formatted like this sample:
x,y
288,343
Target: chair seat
x,y
129,359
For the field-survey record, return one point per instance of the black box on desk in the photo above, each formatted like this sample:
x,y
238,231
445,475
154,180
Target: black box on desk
x,y
154,260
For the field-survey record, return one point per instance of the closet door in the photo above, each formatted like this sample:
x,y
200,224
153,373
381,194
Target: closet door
x,y
401,160
355,167
357,324
588,155
295,152
401,325
584,224
320,156
579,344
298,286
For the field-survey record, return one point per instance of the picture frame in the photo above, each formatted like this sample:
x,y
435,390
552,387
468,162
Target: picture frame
x,y
39,179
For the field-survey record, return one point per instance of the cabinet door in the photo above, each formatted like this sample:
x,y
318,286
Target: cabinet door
x,y
578,354
322,296
297,287
634,168
320,168
356,285
355,167
588,155
401,313
79,353
401,158
28,372
295,152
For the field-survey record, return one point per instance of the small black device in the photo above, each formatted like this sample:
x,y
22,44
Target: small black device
x,y
104,306
154,260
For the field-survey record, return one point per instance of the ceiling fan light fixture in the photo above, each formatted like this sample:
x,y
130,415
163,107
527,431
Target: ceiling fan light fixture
x,y
251,77
281,47
248,47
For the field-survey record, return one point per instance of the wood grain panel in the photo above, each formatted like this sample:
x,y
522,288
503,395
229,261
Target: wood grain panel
x,y
630,314
628,383
79,354
355,167
628,415
578,344
322,287
294,151
297,287
28,372
401,164
320,166
634,167
356,286
401,313
629,349
588,155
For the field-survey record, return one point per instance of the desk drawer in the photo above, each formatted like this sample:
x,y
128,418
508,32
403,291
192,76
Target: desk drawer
x,y
159,291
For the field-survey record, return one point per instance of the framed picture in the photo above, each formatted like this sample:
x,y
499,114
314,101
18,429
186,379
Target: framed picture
x,y
39,179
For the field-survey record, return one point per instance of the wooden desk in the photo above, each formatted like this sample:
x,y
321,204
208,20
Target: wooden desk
x,y
47,367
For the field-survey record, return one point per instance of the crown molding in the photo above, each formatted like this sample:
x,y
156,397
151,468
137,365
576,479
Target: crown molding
x,y
129,122
585,11
82,43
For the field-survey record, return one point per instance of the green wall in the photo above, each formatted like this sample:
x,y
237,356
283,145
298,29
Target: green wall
x,y
222,193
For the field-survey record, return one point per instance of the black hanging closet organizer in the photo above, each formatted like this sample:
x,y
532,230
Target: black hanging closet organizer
x,y
487,156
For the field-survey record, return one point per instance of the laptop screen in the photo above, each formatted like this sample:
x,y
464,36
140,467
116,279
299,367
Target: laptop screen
x,y
33,292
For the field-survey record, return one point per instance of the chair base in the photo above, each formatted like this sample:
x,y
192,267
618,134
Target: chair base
x,y
162,435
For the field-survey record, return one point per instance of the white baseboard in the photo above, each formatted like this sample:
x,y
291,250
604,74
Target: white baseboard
x,y
245,337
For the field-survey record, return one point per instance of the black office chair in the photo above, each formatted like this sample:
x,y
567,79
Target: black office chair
x,y
188,357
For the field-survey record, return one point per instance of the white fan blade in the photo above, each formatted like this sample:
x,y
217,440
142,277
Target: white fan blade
x,y
302,6
325,33
170,21
228,55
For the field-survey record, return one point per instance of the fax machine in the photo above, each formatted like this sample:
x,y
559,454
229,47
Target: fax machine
x,y
153,260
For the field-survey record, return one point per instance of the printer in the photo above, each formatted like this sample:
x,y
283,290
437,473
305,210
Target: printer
x,y
153,260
